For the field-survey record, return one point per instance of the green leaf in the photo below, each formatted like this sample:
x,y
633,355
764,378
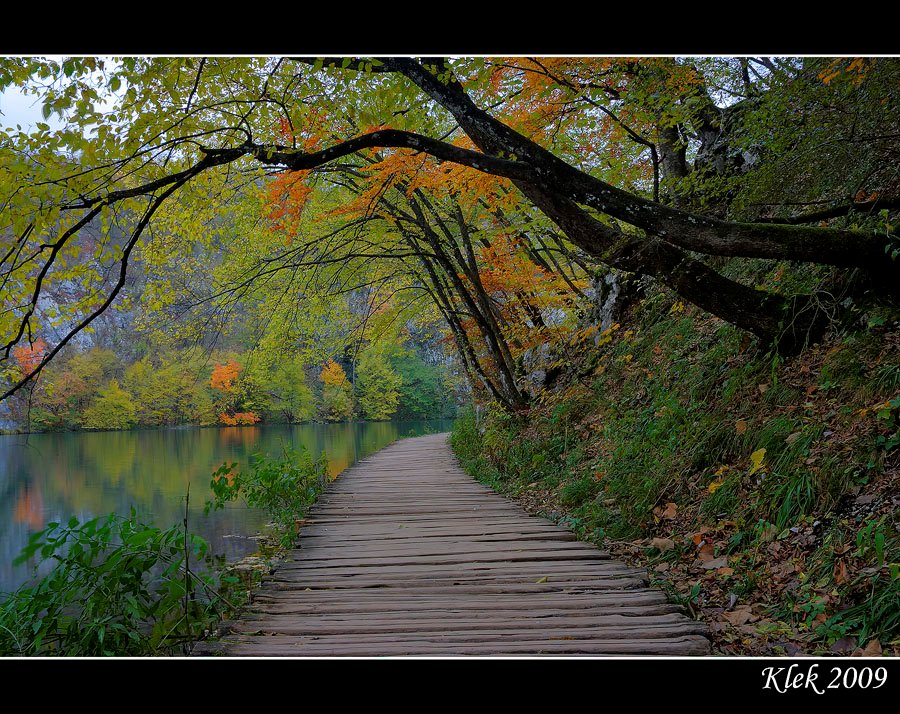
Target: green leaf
x,y
879,547
141,537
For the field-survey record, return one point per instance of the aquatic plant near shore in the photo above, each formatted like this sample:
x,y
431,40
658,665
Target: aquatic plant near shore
x,y
119,587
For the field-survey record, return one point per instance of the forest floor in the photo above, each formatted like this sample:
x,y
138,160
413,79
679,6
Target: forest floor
x,y
760,492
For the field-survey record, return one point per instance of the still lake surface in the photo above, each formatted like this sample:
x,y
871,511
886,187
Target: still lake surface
x,y
52,477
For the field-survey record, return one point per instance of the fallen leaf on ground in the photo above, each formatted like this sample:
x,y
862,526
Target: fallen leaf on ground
x,y
706,552
661,567
725,571
756,460
668,512
793,437
741,615
740,426
845,644
840,572
662,544
542,580
873,649
716,563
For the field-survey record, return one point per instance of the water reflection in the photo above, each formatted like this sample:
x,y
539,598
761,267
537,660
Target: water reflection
x,y
51,477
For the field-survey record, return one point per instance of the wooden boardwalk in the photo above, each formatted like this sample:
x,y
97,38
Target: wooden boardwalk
x,y
406,555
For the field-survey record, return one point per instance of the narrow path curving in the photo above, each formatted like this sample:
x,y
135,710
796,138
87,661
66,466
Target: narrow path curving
x,y
407,555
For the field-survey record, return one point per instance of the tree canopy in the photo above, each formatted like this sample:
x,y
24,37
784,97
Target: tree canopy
x,y
485,191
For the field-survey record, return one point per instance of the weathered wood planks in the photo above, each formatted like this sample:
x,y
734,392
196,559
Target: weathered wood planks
x,y
406,555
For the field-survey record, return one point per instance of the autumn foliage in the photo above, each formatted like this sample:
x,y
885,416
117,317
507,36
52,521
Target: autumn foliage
x,y
29,357
224,376
333,374
239,418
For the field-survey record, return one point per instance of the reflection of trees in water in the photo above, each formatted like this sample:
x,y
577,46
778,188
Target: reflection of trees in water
x,y
56,476
244,436
29,508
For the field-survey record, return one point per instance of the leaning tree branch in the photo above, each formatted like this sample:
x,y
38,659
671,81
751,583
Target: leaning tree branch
x,y
688,230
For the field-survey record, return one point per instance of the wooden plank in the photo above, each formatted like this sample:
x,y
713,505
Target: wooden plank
x,y
418,549
413,589
622,585
394,598
310,557
481,631
299,607
299,646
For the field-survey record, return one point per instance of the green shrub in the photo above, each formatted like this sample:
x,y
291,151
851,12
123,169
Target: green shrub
x,y
284,487
118,587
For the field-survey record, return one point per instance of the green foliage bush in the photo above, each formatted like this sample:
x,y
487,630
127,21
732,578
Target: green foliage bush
x,y
378,386
423,393
112,409
117,587
284,487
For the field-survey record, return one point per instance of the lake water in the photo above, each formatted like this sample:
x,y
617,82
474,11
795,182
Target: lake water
x,y
52,477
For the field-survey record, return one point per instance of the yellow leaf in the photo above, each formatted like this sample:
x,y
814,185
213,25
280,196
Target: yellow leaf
x,y
542,580
715,485
756,460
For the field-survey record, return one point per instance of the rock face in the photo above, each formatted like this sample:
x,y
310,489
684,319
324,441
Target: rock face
x,y
609,295
606,291
6,421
